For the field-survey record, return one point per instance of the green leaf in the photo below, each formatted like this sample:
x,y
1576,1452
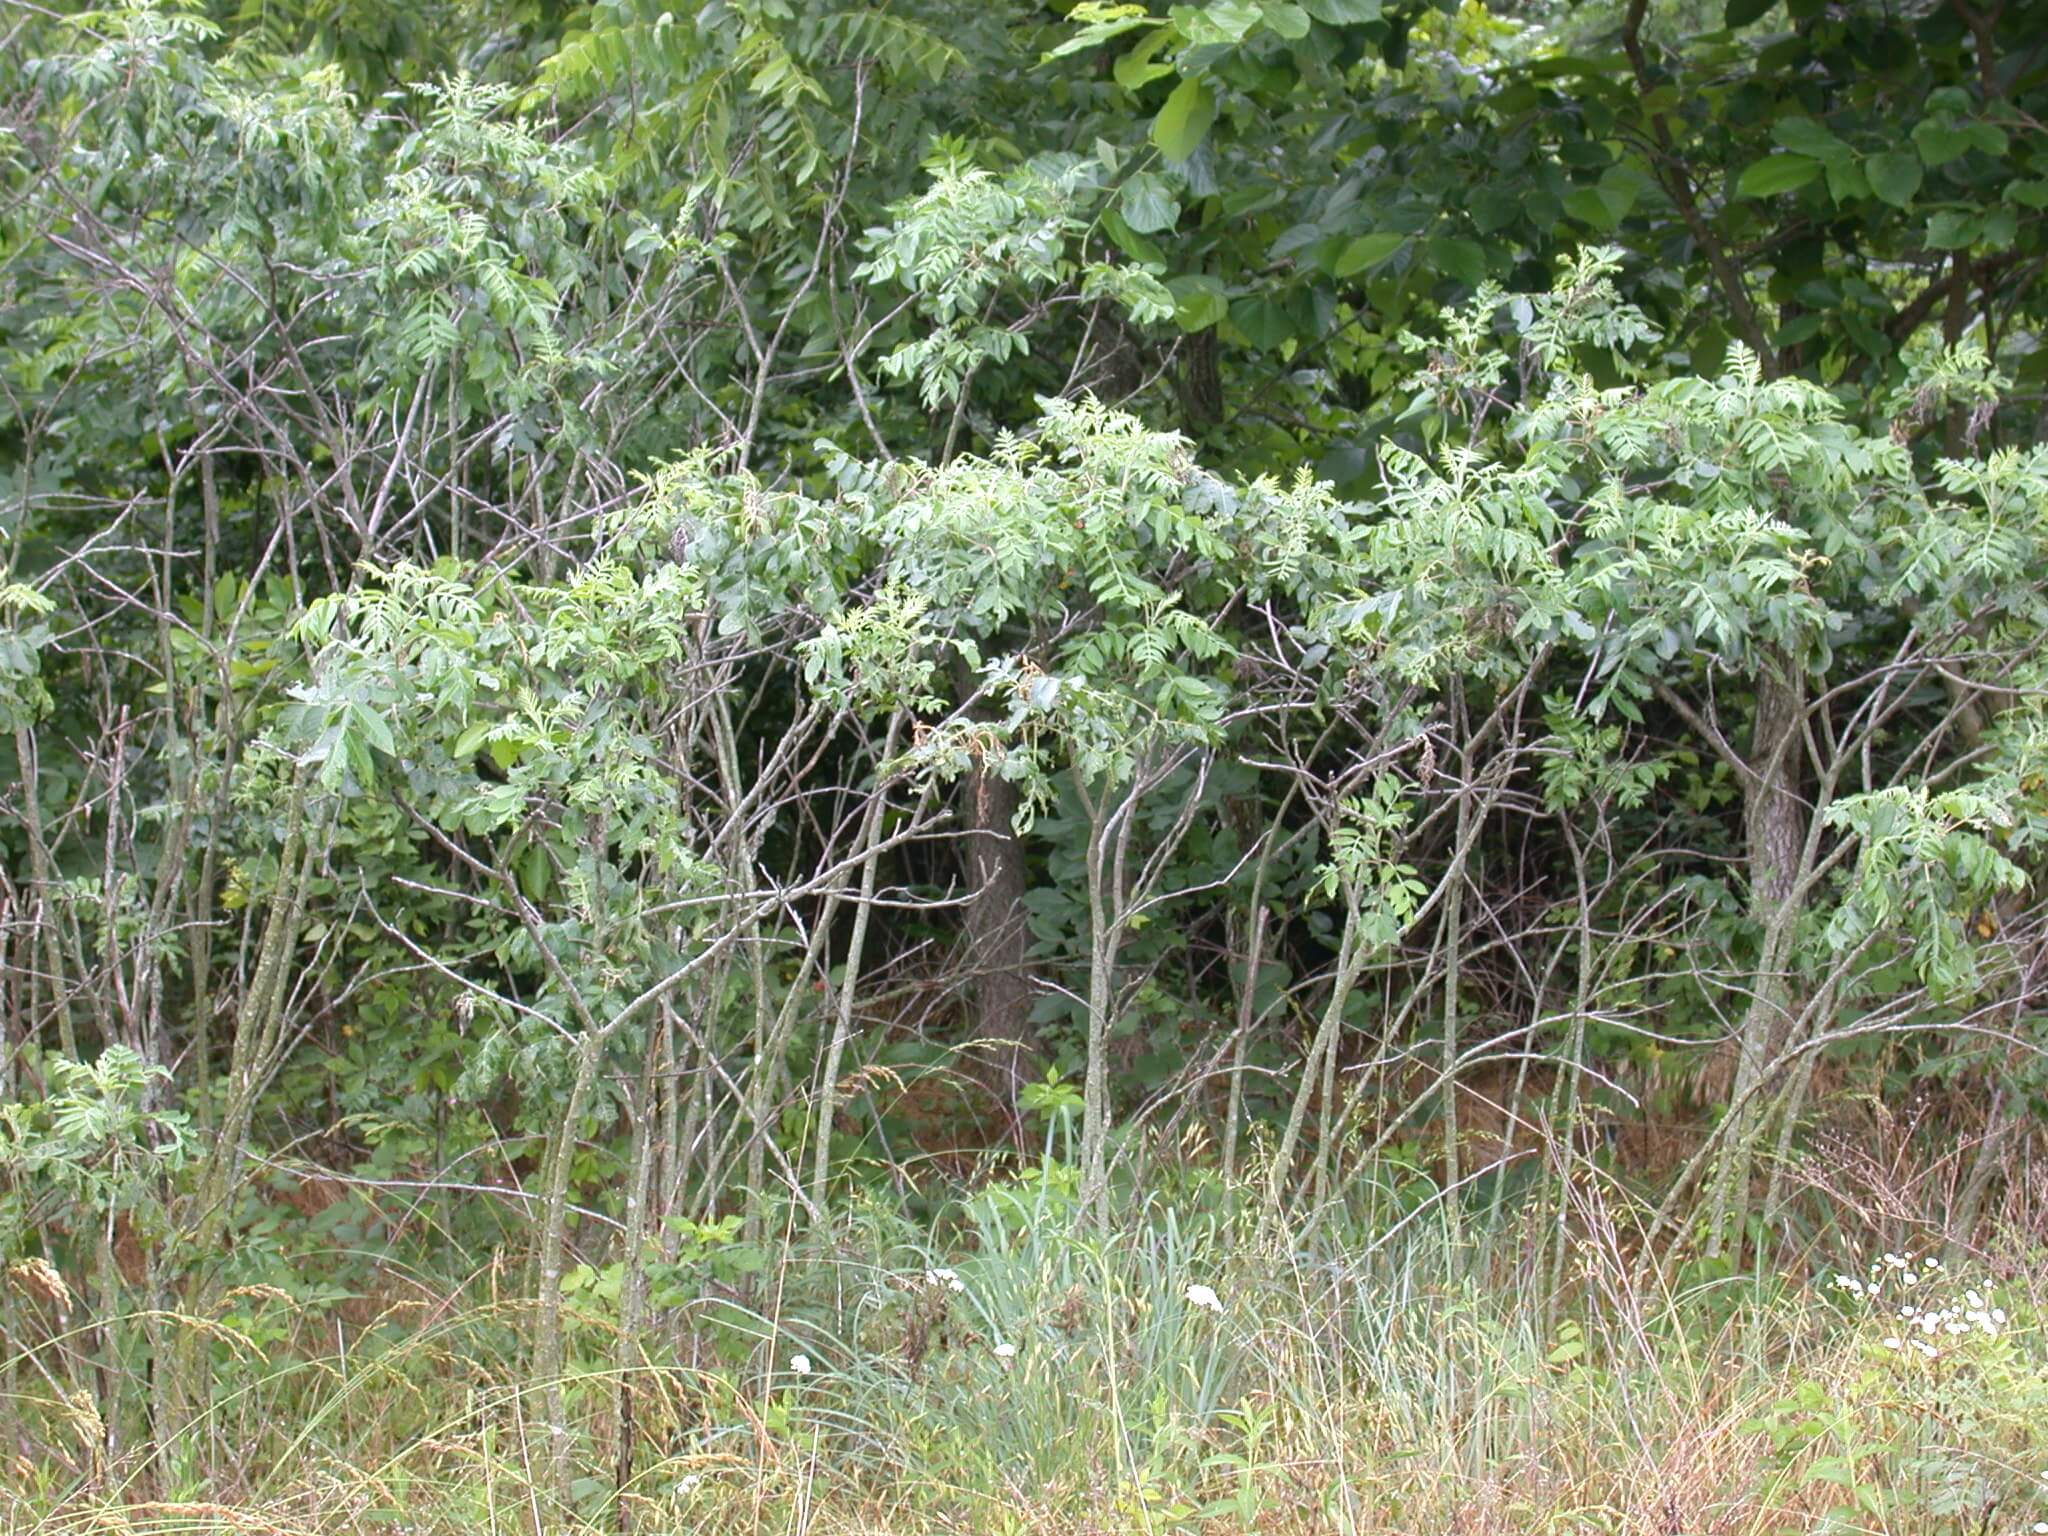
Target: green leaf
x,y
1184,121
1894,176
534,871
2028,194
1804,136
469,741
1366,251
1847,182
1939,140
1492,209
1464,260
1988,138
1139,68
1198,301
1266,325
1596,206
1096,33
374,728
1952,229
1776,174
1129,241
1285,18
1343,13
1148,204
1805,328
1741,13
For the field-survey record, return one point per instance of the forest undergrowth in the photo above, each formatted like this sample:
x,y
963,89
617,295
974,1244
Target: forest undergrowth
x,y
840,766
990,1363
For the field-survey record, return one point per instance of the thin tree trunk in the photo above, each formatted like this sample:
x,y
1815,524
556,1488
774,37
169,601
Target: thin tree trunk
x,y
550,1346
998,939
1775,827
1247,998
629,1355
1351,953
849,977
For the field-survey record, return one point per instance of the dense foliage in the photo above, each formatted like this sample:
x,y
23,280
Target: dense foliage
x,y
708,650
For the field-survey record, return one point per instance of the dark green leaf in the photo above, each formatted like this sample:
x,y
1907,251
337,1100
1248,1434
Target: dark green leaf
x,y
1894,176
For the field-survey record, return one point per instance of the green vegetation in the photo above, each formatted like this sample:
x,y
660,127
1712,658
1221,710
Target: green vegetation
x,y
1269,765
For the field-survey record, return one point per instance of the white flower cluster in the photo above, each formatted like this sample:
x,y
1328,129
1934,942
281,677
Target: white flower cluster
x,y
1924,1330
1889,1269
943,1280
1203,1296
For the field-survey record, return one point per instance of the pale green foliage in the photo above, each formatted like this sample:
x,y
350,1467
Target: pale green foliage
x,y
1362,867
973,240
23,696
89,1138
466,195
878,655
1925,864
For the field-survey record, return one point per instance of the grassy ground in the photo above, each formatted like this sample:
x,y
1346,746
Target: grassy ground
x,y
1534,1374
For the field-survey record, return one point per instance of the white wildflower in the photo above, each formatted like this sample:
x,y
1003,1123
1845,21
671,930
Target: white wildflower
x,y
801,1364
1006,1351
1202,1296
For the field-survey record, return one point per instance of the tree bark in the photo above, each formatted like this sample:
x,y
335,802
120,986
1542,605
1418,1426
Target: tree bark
x,y
998,940
1774,831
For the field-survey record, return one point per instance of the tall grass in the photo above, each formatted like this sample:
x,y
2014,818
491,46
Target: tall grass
x,y
1008,1370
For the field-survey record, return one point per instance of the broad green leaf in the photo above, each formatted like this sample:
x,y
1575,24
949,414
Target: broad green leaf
x,y
1464,260
1952,229
1741,13
1804,136
1986,138
1148,204
1343,13
1939,140
1266,325
1129,241
1802,329
1492,209
1894,176
374,729
1847,181
1286,19
1367,251
1113,23
1776,174
1602,209
1198,301
1184,121
1140,66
